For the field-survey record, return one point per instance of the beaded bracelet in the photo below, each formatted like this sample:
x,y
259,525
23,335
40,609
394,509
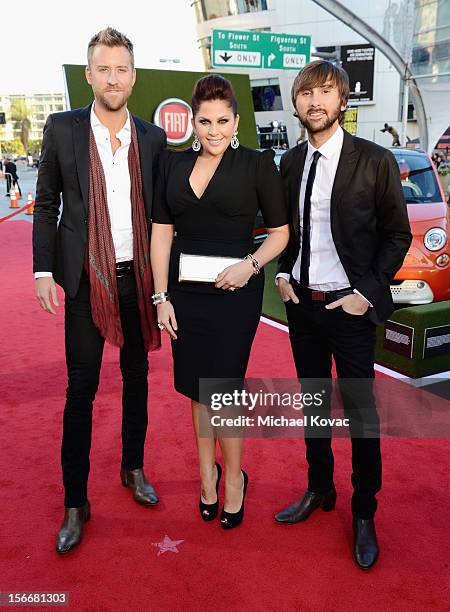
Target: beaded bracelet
x,y
255,264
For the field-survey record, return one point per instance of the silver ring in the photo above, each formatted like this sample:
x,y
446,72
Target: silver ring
x,y
161,326
232,288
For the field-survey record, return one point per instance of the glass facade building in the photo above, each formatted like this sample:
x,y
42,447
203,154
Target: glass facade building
x,y
213,9
431,39
430,64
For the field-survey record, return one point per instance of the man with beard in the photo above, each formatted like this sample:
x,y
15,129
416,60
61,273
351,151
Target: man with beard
x,y
349,236
101,158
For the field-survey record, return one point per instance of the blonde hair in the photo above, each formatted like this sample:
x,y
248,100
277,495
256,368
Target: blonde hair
x,y
110,38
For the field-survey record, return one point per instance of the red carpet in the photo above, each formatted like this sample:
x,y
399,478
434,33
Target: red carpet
x,y
261,565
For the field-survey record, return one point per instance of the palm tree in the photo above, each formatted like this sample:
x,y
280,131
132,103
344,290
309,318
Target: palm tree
x,y
19,115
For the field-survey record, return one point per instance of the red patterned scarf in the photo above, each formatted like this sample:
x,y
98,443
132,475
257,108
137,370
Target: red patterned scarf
x,y
101,257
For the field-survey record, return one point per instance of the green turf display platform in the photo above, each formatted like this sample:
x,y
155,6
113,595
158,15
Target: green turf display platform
x,y
273,307
415,341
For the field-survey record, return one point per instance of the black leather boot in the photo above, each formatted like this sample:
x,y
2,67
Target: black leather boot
x,y
304,507
71,531
365,548
143,492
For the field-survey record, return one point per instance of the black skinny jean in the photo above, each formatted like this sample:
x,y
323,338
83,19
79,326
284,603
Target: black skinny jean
x,y
84,351
317,335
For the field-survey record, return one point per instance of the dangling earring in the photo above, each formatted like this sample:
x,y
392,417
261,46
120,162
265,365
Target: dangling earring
x,y
196,144
234,141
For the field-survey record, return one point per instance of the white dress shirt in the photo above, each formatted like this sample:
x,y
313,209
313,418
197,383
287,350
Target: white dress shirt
x,y
326,272
118,186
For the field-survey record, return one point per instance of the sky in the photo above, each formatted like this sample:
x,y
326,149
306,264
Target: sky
x,y
53,33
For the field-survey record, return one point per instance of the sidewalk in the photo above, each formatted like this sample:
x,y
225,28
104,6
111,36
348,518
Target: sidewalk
x,y
27,180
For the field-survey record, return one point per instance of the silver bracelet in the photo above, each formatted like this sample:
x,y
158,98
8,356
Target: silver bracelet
x,y
160,298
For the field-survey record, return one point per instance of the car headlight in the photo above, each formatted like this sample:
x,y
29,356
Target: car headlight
x,y
435,239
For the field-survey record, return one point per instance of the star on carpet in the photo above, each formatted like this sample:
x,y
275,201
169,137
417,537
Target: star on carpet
x,y
167,545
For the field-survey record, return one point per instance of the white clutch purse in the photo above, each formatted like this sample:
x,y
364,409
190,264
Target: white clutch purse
x,y
203,268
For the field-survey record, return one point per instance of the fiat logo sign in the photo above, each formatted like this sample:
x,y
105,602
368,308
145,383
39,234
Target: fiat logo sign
x,y
174,117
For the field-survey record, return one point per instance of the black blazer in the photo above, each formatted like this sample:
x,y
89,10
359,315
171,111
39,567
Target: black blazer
x,y
64,169
369,219
12,169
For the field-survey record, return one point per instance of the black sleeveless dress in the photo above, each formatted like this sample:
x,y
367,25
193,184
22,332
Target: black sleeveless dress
x,y
216,327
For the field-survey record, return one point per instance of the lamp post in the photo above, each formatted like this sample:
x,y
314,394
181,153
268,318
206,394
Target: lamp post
x,y
405,111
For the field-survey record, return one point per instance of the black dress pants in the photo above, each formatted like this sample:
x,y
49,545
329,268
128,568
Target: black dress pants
x,y
317,334
84,350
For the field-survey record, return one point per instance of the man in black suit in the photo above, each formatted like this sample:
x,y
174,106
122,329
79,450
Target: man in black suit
x,y
2,171
102,159
349,236
12,178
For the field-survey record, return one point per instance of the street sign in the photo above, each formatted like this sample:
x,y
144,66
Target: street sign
x,y
241,49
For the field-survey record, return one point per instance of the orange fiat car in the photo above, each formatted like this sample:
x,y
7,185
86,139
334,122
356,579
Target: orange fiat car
x,y
425,274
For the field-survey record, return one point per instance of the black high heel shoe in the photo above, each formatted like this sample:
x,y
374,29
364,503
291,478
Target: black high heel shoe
x,y
209,512
229,520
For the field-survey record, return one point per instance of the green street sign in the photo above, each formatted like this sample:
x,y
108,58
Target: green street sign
x,y
241,49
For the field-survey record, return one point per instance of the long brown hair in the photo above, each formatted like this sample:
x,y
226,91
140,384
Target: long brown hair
x,y
316,74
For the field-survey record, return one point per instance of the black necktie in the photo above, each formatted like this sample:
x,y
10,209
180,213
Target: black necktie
x,y
306,220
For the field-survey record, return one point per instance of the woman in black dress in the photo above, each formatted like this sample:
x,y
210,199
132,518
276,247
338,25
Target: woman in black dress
x,y
206,202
